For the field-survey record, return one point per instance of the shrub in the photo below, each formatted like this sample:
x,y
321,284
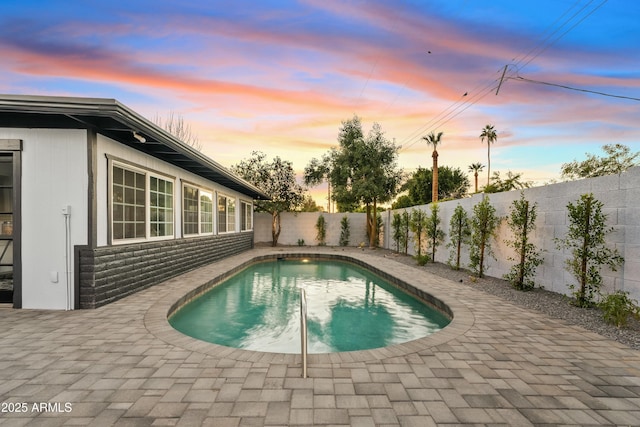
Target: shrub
x,y
586,241
460,233
618,307
345,231
522,221
321,228
435,234
417,223
422,259
483,227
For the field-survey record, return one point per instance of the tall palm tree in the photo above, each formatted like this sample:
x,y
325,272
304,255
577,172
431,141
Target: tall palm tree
x,y
434,140
475,168
488,133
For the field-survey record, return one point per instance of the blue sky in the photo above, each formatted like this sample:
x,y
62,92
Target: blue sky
x,y
280,76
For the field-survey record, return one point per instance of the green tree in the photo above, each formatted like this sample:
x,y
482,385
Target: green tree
x,y
490,134
277,179
434,140
308,205
453,183
317,171
403,201
618,159
522,222
484,223
585,239
434,232
364,171
513,181
418,225
460,232
476,168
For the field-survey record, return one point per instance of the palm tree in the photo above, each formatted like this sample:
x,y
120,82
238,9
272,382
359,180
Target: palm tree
x,y
434,140
488,133
475,168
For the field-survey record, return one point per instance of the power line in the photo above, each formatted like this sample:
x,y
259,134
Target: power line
x,y
457,107
522,79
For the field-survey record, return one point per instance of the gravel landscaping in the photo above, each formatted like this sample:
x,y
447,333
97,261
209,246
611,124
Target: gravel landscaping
x,y
550,303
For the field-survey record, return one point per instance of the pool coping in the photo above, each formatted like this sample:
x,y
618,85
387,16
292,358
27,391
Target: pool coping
x,y
430,288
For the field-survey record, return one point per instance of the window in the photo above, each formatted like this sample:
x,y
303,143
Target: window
x,y
190,210
226,214
206,212
161,195
141,204
246,216
197,211
129,217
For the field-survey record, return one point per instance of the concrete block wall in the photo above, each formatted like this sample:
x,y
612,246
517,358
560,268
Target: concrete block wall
x,y
302,225
620,195
107,274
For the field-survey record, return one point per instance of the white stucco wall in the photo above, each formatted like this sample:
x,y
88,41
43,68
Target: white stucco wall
x,y
107,146
620,195
54,174
302,225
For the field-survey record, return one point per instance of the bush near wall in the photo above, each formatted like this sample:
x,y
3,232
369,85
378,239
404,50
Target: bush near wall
x,y
302,225
621,197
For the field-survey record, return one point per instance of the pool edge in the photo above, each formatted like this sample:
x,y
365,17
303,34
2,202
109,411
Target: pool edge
x,y
427,287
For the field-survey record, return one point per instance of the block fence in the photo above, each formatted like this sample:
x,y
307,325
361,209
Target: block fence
x,y
620,195
107,274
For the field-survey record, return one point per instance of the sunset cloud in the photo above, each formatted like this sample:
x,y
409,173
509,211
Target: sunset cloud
x,y
283,76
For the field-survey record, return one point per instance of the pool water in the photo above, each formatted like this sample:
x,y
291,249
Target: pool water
x,y
348,308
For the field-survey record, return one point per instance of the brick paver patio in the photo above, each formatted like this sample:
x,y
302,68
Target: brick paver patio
x,y
496,364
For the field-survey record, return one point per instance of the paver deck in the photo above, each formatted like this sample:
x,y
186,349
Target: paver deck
x,y
496,364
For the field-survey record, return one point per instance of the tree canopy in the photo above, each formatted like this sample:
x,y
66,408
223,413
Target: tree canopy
x,y
362,170
452,183
277,179
618,159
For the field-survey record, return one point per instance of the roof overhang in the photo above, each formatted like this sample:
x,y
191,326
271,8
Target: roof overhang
x,y
116,121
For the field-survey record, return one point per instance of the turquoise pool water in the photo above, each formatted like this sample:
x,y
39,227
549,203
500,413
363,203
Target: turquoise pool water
x,y
349,308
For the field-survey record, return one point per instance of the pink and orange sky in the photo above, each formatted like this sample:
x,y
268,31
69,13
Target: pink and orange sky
x,y
281,76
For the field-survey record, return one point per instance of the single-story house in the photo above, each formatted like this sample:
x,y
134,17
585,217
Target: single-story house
x,y
97,202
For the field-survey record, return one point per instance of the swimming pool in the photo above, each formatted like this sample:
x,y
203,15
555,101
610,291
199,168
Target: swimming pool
x,y
349,308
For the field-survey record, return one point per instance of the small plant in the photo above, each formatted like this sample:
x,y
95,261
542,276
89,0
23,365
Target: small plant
x,y
618,307
586,241
345,231
417,224
400,227
435,235
460,233
422,259
522,221
321,229
483,227
300,242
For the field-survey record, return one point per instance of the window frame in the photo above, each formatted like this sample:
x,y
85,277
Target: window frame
x,y
230,201
244,216
148,174
199,192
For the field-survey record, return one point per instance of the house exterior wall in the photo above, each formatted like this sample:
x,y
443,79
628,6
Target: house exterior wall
x,y
108,147
113,272
54,175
